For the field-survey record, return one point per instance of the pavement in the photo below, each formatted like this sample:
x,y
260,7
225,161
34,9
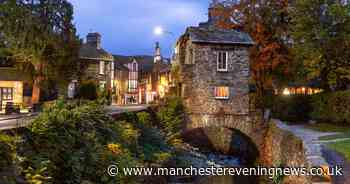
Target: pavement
x,y
21,120
311,141
118,109
313,146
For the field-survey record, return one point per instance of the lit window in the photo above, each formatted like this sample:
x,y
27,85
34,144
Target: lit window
x,y
222,61
7,93
222,92
112,71
102,67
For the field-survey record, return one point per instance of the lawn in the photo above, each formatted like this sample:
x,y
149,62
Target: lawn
x,y
342,147
328,127
344,131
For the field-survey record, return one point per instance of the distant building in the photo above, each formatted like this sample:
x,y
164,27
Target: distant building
x,y
214,74
15,85
121,80
148,77
96,63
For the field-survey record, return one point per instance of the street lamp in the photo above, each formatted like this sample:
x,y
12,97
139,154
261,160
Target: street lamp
x,y
158,30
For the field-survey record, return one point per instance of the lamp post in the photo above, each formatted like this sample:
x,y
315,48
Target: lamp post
x,y
159,31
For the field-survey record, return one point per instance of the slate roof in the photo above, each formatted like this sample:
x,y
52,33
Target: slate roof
x,y
208,33
145,62
88,51
120,66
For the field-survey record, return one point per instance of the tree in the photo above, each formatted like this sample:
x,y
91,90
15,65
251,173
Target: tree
x,y
267,22
41,33
321,32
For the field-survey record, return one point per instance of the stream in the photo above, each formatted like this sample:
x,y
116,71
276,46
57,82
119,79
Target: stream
x,y
205,160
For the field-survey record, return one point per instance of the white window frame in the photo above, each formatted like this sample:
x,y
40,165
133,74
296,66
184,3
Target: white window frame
x,y
102,67
221,97
218,62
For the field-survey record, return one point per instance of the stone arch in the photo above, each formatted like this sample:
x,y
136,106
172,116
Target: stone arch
x,y
238,135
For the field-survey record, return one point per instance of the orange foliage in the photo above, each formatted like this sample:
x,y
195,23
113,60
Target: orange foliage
x,y
267,29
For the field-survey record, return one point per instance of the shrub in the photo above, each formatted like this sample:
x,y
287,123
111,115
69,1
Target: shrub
x,y
171,116
88,90
7,151
332,107
105,97
291,108
70,143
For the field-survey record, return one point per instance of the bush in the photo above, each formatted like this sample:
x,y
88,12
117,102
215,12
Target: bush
x,y
7,151
88,90
171,115
105,97
333,107
291,108
70,143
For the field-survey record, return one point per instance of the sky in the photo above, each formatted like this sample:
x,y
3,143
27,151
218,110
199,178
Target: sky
x,y
127,26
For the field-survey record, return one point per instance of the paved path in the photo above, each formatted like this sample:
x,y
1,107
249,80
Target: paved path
x,y
310,139
117,109
316,151
15,121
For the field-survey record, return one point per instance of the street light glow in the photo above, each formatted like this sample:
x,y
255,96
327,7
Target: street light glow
x,y
158,30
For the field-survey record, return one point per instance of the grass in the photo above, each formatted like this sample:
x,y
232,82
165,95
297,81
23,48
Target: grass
x,y
338,136
342,147
344,131
327,127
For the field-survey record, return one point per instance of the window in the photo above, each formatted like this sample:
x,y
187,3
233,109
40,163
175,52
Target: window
x,y
222,61
7,93
134,67
102,67
132,85
222,92
112,71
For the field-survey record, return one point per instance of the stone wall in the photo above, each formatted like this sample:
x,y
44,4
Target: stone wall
x,y
282,148
200,79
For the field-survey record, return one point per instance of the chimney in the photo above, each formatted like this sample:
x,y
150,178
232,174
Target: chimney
x,y
94,39
213,7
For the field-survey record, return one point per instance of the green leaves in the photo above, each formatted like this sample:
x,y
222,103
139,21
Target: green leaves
x,y
321,30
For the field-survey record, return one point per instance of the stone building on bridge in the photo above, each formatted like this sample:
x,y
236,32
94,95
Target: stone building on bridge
x,y
214,75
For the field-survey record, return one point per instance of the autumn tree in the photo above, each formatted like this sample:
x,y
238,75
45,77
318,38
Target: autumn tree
x,y
267,22
321,34
39,33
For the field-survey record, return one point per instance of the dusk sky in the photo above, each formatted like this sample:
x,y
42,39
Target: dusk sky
x,y
127,25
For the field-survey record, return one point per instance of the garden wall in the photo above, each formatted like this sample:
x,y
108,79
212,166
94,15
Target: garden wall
x,y
283,149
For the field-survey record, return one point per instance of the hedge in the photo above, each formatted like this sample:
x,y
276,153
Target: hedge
x,y
333,107
326,107
291,108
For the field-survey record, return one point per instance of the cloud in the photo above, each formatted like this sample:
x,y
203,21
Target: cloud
x,y
127,25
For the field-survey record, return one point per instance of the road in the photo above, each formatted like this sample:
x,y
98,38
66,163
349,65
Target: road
x,y
22,121
15,123
116,109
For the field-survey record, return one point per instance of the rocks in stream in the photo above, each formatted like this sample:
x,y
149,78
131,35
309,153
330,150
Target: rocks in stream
x,y
203,160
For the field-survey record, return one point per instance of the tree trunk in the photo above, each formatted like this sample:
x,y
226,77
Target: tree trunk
x,y
36,85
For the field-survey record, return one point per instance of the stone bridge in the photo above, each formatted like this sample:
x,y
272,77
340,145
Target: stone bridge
x,y
249,138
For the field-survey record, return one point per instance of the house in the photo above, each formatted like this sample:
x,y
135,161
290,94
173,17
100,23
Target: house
x,y
144,78
121,78
15,85
96,63
301,88
214,74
